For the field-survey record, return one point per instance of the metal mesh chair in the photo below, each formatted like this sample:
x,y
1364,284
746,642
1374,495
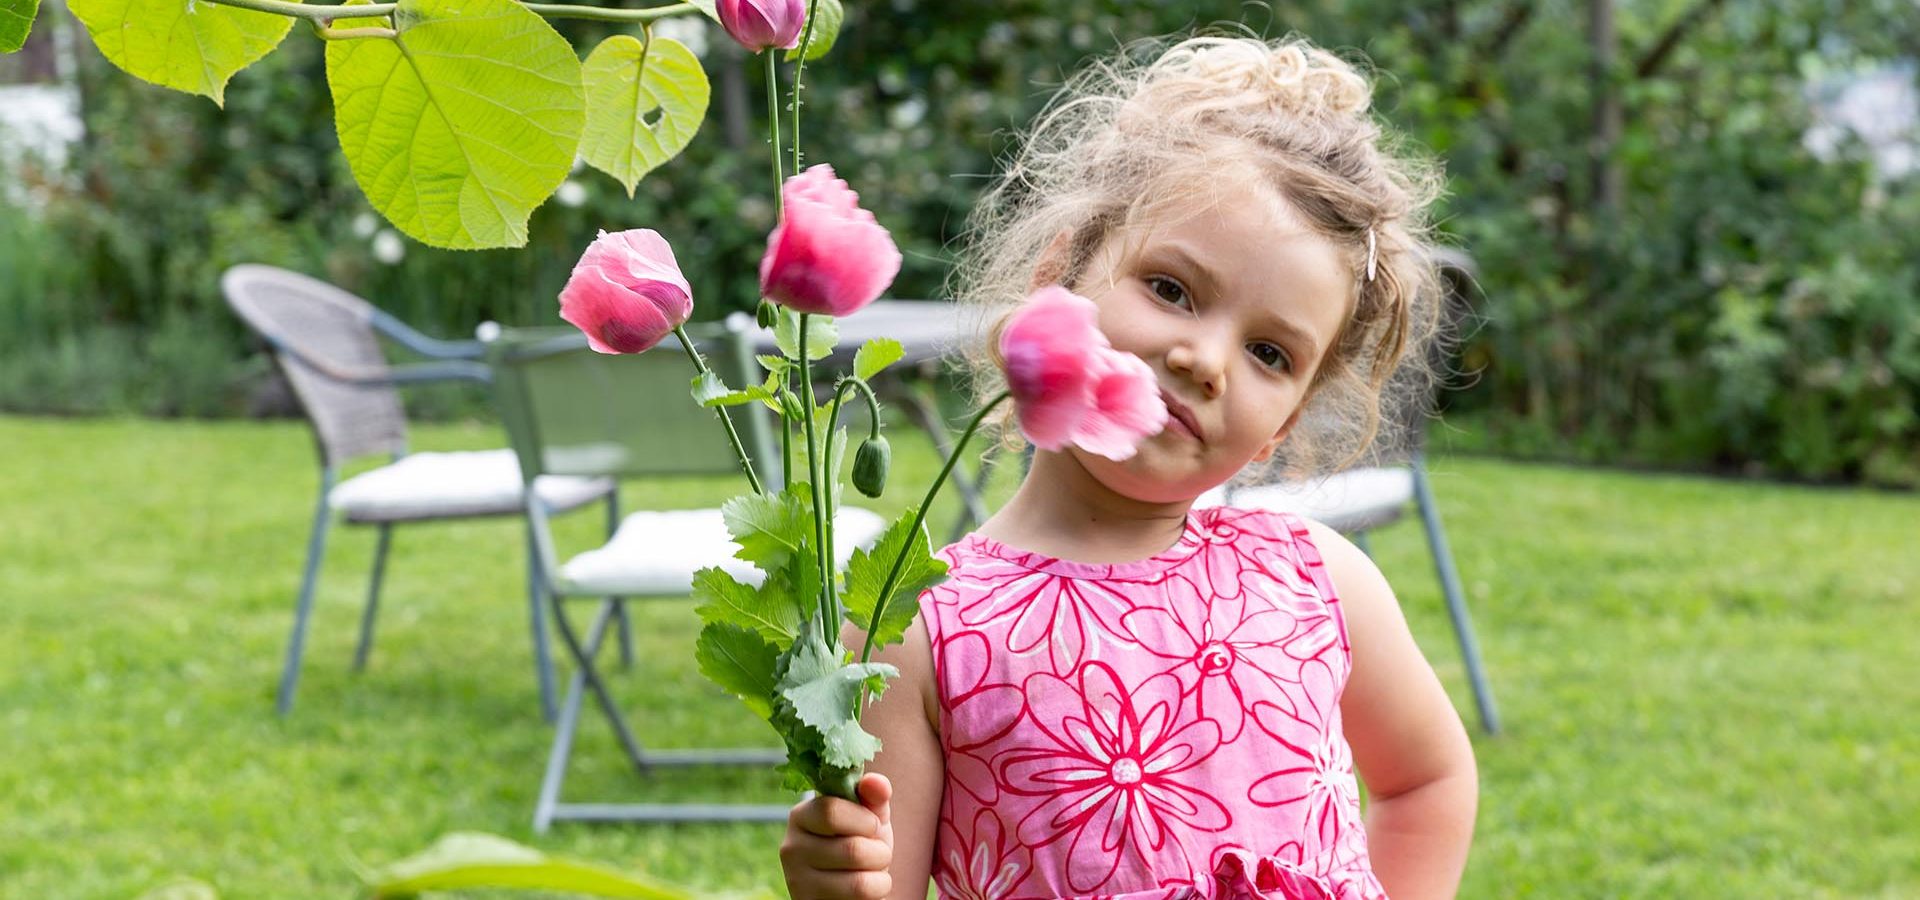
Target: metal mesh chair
x,y
326,342
1359,500
570,411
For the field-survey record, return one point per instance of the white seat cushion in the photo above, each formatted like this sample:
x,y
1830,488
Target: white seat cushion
x,y
1348,501
453,485
656,553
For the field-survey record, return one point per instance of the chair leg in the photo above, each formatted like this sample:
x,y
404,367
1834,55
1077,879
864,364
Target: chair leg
x,y
537,622
619,606
303,608
1455,597
583,656
365,646
562,750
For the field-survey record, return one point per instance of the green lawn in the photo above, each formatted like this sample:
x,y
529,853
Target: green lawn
x,y
1709,687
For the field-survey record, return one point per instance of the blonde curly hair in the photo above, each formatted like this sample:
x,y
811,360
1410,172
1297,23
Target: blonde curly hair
x,y
1147,137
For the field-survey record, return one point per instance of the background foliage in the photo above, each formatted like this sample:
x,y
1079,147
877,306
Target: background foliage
x,y
1733,302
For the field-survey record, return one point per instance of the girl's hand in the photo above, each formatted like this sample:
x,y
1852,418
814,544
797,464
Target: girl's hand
x,y
837,850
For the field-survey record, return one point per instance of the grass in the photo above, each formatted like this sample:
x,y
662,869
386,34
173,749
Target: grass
x,y
1708,686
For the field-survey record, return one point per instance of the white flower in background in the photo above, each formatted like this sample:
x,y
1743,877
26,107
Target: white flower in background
x,y
908,113
571,193
388,248
364,225
688,30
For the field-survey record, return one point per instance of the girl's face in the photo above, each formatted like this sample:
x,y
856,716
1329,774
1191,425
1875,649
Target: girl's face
x,y
1234,309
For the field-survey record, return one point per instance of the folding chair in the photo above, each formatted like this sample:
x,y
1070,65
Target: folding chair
x,y
326,342
1359,500
570,411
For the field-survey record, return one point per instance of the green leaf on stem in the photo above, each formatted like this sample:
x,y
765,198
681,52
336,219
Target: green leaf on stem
x,y
867,573
463,122
740,661
875,355
177,44
644,103
822,335
767,610
474,860
709,391
16,20
710,7
826,28
770,528
821,692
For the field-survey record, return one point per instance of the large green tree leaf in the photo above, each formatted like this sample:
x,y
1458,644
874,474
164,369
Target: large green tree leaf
x,y
644,103
475,860
463,123
867,572
741,661
828,16
192,47
16,19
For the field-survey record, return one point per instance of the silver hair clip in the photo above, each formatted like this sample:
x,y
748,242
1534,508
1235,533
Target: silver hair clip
x,y
1373,255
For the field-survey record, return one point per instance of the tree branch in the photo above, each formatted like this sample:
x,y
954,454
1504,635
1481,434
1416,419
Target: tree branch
x,y
371,10
1650,63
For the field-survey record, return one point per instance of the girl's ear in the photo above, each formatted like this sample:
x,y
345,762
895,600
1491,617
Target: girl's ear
x,y
1051,268
1267,451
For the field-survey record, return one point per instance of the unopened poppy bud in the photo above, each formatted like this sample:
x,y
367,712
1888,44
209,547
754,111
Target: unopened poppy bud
x,y
870,466
766,314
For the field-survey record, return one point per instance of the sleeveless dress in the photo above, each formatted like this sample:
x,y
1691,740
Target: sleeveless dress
x,y
1168,728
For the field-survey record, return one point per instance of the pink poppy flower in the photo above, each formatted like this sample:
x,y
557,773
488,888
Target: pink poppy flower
x,y
827,256
762,24
1071,386
626,292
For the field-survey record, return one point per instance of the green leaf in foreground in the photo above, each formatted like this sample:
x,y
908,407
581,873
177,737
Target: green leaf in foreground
x,y
463,123
16,20
814,712
709,391
192,47
740,661
644,103
867,571
826,28
822,335
770,527
474,860
765,610
875,355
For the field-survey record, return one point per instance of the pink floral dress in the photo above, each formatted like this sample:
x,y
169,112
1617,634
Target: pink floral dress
x,y
1168,728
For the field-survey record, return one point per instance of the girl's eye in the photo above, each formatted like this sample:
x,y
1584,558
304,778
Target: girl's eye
x,y
1168,290
1270,356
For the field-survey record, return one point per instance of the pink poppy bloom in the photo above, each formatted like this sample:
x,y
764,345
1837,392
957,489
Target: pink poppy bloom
x,y
626,292
1071,386
827,256
761,24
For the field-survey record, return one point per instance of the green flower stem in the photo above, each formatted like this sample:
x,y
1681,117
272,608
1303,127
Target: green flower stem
x,y
799,67
375,10
920,517
786,441
740,450
822,529
873,404
773,137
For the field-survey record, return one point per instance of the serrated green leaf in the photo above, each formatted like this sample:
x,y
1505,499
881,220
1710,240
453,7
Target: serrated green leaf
x,y
773,363
741,661
725,600
769,527
463,123
474,860
867,572
192,47
822,335
875,355
822,693
644,103
16,21
710,391
826,28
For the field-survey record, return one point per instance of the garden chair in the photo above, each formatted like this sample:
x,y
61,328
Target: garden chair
x,y
326,343
572,412
1362,499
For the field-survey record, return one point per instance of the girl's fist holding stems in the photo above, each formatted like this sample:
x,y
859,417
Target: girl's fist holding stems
x,y
838,850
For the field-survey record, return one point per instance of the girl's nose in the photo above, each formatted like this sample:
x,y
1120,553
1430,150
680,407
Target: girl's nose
x,y
1197,359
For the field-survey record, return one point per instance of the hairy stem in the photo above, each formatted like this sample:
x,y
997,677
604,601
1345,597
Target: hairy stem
x,y
829,619
740,450
800,67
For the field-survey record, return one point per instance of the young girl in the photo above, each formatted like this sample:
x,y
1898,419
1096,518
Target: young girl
x,y
1119,693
